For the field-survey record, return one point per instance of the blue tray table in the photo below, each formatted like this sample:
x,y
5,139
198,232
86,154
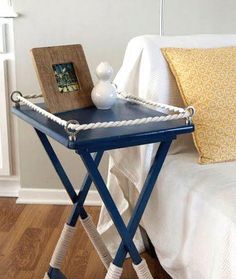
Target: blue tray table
x,y
97,141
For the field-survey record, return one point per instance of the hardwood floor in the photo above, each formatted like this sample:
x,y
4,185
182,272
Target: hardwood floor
x,y
28,235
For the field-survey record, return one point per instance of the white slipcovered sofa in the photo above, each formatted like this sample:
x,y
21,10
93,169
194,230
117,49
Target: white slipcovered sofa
x,y
191,217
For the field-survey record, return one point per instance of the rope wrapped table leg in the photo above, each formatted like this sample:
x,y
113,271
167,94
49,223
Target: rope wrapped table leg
x,y
62,246
114,272
142,270
97,241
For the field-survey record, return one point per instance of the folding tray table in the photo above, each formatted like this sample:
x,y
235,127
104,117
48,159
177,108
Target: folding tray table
x,y
97,141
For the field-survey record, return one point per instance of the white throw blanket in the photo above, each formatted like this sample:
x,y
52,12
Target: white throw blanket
x,y
190,218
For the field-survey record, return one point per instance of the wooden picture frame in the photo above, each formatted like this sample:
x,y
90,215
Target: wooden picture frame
x,y
63,76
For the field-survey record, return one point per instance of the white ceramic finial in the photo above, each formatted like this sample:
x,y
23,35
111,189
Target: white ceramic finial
x,y
104,93
104,71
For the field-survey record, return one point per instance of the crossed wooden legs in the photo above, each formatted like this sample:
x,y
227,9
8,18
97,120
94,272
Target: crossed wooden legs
x,y
127,233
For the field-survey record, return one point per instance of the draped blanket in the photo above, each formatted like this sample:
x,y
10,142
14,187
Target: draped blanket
x,y
191,216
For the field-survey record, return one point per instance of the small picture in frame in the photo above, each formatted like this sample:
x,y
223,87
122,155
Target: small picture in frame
x,y
66,78
63,76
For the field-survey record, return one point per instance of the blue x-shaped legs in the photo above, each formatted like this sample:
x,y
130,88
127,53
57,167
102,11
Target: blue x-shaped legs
x,y
127,233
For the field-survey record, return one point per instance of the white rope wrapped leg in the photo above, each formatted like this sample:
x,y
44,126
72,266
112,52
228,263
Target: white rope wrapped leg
x,y
114,272
46,276
142,270
97,241
62,246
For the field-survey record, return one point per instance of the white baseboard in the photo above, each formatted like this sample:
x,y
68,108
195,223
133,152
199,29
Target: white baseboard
x,y
9,188
54,196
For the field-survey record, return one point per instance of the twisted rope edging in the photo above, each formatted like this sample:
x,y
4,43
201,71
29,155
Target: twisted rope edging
x,y
114,272
62,246
142,101
43,112
73,127
96,240
142,270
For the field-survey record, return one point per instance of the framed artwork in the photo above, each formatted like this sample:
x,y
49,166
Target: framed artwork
x,y
63,76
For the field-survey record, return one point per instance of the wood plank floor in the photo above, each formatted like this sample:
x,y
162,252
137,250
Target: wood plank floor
x,y
28,235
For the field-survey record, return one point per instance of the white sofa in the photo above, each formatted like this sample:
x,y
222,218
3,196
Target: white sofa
x,y
191,217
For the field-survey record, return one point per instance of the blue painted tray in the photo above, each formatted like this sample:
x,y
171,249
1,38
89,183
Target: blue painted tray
x,y
106,138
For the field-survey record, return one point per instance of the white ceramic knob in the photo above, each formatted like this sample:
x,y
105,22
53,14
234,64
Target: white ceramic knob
x,y
104,71
104,93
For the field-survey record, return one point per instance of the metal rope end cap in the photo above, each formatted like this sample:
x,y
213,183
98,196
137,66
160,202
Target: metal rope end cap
x,y
71,133
15,97
191,110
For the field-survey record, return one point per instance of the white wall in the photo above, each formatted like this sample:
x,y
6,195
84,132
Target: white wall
x,y
104,29
200,16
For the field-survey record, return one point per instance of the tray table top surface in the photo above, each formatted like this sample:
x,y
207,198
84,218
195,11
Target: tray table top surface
x,y
109,138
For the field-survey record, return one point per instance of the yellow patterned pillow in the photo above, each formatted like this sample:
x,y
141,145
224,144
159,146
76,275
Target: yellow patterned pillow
x,y
207,80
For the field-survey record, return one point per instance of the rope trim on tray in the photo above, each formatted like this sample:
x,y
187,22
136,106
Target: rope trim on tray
x,y
73,127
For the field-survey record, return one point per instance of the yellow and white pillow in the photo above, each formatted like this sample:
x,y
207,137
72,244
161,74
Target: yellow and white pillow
x,y
207,80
